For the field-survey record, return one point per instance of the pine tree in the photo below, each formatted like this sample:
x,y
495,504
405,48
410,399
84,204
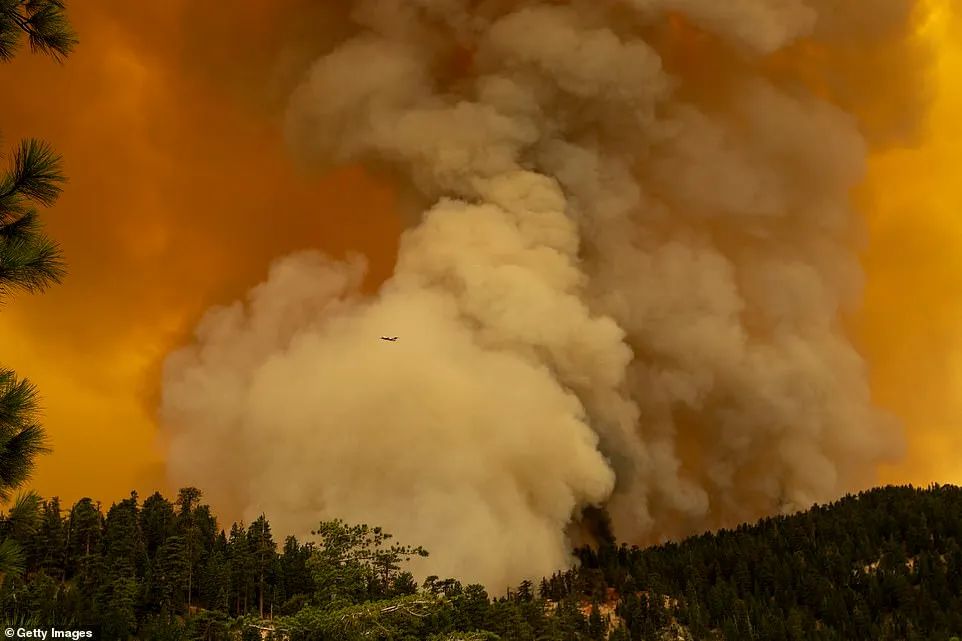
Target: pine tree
x,y
157,522
188,528
116,605
29,261
241,566
524,592
264,552
471,607
84,536
124,564
50,544
215,582
124,550
353,562
294,577
169,576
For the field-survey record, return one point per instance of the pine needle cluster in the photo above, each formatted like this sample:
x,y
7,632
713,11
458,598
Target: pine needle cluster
x,y
21,434
44,24
29,260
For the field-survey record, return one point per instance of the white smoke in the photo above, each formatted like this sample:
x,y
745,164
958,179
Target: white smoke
x,y
627,291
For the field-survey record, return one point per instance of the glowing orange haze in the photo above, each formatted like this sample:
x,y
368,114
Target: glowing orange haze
x,y
181,193
911,325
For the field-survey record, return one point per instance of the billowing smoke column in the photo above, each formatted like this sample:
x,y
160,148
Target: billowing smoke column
x,y
624,291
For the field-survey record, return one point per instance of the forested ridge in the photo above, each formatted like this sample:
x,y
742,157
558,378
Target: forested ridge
x,y
886,564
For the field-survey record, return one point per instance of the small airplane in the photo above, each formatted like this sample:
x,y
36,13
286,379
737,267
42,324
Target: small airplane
x,y
389,338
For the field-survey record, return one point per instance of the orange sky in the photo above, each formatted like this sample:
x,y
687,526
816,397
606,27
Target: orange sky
x,y
911,323
181,193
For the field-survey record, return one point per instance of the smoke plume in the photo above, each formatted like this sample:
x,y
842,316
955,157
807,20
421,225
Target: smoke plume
x,y
626,288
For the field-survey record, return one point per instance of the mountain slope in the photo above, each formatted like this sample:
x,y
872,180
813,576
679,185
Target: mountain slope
x,y
885,564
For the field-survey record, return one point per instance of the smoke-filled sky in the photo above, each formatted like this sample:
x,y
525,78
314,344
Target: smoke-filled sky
x,y
180,194
639,283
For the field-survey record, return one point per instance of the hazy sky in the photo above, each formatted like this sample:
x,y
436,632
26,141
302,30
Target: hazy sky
x,y
181,193
911,325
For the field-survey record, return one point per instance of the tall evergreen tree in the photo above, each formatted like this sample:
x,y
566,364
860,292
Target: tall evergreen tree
x,y
214,588
157,522
116,603
242,567
84,538
294,576
169,576
49,545
264,552
124,550
190,531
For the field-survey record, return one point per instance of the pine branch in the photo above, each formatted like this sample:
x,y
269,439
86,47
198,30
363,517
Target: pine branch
x,y
30,263
45,24
12,559
29,260
23,517
9,33
35,174
19,403
17,457
20,228
21,436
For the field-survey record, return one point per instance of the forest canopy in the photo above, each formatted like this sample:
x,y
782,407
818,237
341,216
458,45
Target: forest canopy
x,y
883,565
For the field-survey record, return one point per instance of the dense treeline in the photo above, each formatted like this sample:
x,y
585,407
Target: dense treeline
x,y
164,570
883,565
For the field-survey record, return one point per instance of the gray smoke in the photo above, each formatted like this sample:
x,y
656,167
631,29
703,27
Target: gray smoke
x,y
625,289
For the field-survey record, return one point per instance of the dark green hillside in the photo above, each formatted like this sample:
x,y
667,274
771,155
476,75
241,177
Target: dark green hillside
x,y
884,565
